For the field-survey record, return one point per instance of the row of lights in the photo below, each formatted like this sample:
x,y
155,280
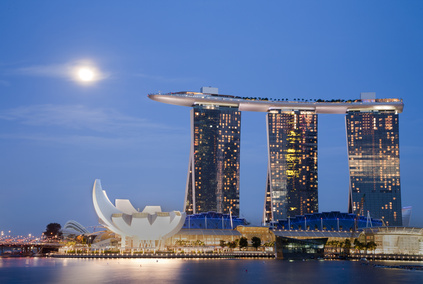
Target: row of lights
x,y
258,255
379,256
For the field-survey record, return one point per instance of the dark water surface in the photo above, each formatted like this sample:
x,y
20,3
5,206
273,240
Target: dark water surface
x,y
54,270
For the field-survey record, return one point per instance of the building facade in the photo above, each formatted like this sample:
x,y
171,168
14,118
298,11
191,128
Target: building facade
x,y
213,173
374,165
213,220
291,187
333,221
395,240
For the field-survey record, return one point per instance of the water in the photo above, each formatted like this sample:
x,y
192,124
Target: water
x,y
202,271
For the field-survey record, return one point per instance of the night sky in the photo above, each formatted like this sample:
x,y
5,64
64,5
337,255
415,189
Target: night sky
x,y
58,134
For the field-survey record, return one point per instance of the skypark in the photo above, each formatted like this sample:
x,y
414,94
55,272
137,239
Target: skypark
x,y
265,105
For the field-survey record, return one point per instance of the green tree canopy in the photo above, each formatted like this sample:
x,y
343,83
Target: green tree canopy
x,y
347,244
256,242
371,245
243,242
53,230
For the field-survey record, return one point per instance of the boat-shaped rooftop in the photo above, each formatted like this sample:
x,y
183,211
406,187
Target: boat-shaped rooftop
x,y
191,99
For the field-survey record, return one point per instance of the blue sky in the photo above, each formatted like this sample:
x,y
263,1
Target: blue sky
x,y
58,135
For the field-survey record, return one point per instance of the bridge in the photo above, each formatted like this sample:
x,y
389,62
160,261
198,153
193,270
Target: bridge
x,y
26,246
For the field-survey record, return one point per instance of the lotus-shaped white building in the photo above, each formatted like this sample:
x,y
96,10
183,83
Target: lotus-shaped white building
x,y
146,229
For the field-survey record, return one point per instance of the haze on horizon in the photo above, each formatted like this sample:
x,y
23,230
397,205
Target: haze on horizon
x,y
60,133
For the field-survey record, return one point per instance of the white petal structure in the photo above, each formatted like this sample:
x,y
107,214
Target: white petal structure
x,y
146,228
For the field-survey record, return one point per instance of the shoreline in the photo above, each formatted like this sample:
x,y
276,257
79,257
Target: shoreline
x,y
165,255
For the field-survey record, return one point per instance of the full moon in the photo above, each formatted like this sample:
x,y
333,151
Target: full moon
x,y
86,74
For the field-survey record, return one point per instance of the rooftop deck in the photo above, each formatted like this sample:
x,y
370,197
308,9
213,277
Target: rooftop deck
x,y
264,104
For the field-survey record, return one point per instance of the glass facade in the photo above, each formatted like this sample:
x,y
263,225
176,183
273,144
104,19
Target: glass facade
x,y
213,175
327,221
373,155
213,220
289,248
291,187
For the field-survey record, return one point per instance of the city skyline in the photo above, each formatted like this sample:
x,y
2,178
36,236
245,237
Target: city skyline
x,y
61,131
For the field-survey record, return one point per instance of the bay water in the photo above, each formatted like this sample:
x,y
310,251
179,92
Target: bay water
x,y
66,270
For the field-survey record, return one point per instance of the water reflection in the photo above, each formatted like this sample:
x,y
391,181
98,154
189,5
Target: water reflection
x,y
47,270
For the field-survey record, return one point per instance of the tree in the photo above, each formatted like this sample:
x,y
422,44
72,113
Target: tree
x,y
359,245
371,246
232,245
222,243
347,246
53,230
243,242
256,242
334,245
198,243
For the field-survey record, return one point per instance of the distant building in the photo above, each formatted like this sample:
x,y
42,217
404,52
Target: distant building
x,y
373,154
292,164
74,228
406,215
395,240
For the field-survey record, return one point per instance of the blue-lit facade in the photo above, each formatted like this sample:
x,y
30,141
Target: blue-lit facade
x,y
374,163
327,221
213,220
291,187
213,174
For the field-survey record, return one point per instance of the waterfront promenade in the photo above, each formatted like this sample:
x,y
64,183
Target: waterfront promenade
x,y
166,255
370,257
15,247
374,257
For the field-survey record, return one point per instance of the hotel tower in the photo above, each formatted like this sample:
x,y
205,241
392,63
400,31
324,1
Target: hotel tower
x,y
373,155
291,187
213,171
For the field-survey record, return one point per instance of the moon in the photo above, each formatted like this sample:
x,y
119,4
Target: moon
x,y
86,74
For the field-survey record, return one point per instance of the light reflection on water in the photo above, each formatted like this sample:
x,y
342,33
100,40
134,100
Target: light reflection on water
x,y
51,270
